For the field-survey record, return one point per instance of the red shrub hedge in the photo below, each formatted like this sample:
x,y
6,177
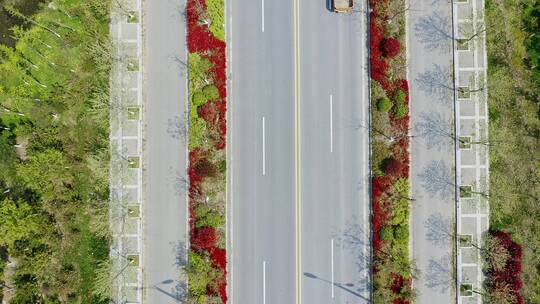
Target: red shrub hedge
x,y
219,258
204,239
390,47
209,112
392,167
510,274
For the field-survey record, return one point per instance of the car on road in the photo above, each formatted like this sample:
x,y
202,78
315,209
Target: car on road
x,y
342,6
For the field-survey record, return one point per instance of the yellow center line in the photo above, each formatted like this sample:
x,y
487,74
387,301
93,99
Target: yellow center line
x,y
297,154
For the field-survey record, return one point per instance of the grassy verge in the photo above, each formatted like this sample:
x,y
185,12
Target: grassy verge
x,y
54,160
207,259
390,159
514,100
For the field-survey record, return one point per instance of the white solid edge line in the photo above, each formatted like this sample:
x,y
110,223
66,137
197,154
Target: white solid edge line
x,y
331,124
263,147
230,154
332,264
264,282
365,156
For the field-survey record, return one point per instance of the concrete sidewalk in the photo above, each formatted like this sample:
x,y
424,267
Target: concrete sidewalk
x,y
432,149
472,162
126,152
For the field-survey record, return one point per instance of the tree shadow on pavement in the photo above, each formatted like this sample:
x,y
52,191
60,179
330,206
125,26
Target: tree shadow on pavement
x,y
437,83
181,254
438,230
438,274
436,131
178,181
436,179
177,292
435,32
343,286
354,239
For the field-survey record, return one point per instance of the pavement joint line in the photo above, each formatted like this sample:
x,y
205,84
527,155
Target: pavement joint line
x,y
471,215
472,117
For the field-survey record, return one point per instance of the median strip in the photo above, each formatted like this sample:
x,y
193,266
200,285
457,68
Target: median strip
x,y
207,258
392,279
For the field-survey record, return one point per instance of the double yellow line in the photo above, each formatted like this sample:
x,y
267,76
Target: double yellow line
x,y
297,153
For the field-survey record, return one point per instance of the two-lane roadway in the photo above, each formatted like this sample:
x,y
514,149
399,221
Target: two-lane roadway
x,y
298,210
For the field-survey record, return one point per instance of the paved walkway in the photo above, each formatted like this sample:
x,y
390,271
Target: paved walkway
x,y
165,101
472,153
432,149
126,152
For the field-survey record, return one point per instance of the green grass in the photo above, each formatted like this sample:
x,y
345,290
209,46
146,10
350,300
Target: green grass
x,y
88,251
55,83
515,126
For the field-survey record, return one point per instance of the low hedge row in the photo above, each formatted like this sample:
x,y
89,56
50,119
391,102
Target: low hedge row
x,y
207,258
390,182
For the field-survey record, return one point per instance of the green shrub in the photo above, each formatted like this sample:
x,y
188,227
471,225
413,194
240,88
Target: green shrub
x,y
211,92
197,129
199,74
223,166
386,233
208,217
401,212
400,96
401,233
200,273
216,10
401,109
402,187
384,104
198,99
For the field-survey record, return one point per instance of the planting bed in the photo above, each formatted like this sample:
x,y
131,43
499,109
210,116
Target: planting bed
x,y
207,259
503,268
392,281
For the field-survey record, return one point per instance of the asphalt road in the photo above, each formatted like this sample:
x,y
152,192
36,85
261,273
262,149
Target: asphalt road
x,y
334,160
262,219
262,155
165,201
